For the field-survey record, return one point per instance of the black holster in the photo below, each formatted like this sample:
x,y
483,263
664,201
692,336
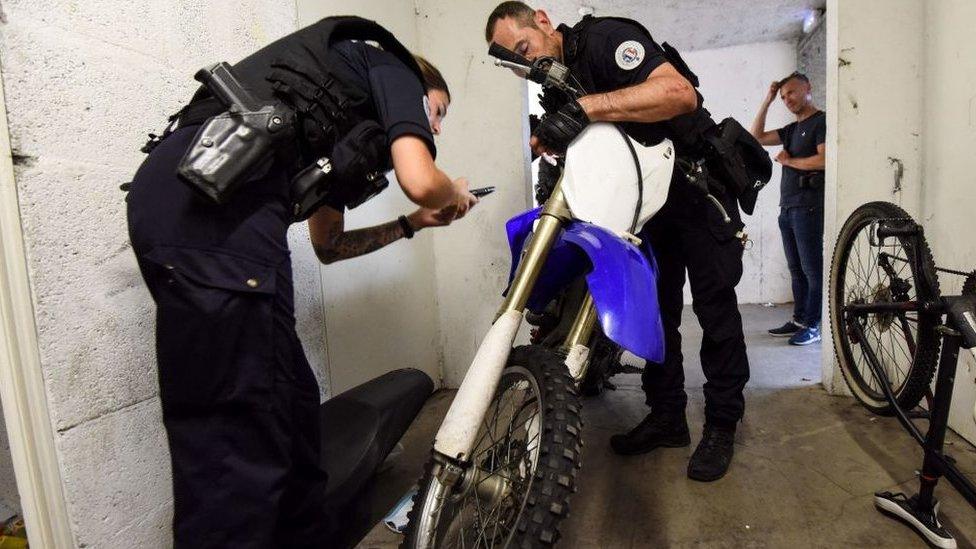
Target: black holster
x,y
811,180
231,146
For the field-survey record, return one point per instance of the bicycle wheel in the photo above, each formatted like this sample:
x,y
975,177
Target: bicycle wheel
x,y
865,271
516,490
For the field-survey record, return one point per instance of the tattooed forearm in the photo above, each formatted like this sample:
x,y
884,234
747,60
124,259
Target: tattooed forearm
x,y
360,242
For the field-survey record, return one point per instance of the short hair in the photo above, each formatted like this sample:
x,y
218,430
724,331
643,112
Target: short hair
x,y
520,11
797,75
433,79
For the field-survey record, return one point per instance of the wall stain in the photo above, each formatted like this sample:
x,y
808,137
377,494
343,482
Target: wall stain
x,y
22,160
467,70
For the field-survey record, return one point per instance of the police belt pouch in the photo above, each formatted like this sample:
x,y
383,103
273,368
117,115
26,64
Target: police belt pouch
x,y
351,175
813,181
740,160
229,147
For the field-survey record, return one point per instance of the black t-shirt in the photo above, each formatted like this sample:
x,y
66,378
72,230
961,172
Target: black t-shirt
x,y
800,140
397,96
612,54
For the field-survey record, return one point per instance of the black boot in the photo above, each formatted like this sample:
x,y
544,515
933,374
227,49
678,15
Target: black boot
x,y
655,431
713,456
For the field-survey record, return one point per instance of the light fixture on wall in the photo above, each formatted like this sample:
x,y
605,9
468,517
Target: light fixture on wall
x,y
810,21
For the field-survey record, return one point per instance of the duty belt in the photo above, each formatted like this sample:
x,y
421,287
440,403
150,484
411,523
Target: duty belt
x,y
192,114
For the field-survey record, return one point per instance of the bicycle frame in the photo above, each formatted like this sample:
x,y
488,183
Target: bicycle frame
x,y
958,331
936,463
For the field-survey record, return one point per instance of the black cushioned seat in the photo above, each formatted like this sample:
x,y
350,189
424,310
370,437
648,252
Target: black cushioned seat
x,y
362,425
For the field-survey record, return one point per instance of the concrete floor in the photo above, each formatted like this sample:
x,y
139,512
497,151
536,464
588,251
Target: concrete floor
x,y
805,468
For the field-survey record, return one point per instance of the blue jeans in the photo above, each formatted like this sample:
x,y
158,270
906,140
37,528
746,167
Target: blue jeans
x,y
802,229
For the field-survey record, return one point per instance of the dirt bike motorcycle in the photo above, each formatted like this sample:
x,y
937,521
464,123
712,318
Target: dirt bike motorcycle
x,y
506,457
552,323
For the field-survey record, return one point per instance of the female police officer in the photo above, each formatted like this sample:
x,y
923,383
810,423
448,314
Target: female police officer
x,y
238,396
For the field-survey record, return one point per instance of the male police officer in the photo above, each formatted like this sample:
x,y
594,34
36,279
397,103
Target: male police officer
x,y
628,78
238,396
801,200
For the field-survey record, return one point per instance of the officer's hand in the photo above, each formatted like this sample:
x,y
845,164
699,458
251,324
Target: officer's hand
x,y
556,130
773,90
427,217
465,200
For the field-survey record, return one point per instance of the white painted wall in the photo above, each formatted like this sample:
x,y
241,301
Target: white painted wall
x,y
9,498
484,139
875,111
381,309
948,201
84,82
734,81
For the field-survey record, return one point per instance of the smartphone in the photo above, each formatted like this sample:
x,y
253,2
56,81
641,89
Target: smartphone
x,y
484,191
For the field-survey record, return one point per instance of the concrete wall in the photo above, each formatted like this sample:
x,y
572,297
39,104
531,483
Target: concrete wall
x,y
734,81
484,139
381,309
9,498
904,87
811,57
84,82
875,113
948,191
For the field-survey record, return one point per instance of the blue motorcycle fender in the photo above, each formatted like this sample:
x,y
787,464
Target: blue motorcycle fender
x,y
621,279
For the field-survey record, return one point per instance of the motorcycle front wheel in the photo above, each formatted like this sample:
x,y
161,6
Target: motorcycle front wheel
x,y
515,490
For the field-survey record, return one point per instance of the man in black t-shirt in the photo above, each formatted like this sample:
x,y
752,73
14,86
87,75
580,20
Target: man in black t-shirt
x,y
801,201
627,78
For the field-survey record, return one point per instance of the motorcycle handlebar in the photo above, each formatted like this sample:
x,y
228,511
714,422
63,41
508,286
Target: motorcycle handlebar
x,y
505,54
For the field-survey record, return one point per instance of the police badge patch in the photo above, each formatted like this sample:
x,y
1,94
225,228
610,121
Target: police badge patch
x,y
629,55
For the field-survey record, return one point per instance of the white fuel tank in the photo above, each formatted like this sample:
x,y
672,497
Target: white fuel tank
x,y
600,179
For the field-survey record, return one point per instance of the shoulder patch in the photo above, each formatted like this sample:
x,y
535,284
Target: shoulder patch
x,y
629,55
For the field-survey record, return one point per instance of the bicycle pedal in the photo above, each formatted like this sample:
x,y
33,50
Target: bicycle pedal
x,y
925,522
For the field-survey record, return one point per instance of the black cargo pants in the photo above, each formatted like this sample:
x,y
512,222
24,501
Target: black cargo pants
x,y
689,234
238,396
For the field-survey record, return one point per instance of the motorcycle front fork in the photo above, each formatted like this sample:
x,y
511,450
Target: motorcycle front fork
x,y
456,438
555,215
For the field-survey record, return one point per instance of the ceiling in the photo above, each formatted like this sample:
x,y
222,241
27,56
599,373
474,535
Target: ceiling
x,y
698,24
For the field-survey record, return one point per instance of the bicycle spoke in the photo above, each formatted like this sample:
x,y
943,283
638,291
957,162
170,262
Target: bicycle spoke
x,y
908,352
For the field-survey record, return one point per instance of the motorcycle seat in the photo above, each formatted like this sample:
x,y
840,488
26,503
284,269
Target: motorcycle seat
x,y
362,425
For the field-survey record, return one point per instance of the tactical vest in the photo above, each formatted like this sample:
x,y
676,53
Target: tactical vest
x,y
686,130
740,163
308,51
319,121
